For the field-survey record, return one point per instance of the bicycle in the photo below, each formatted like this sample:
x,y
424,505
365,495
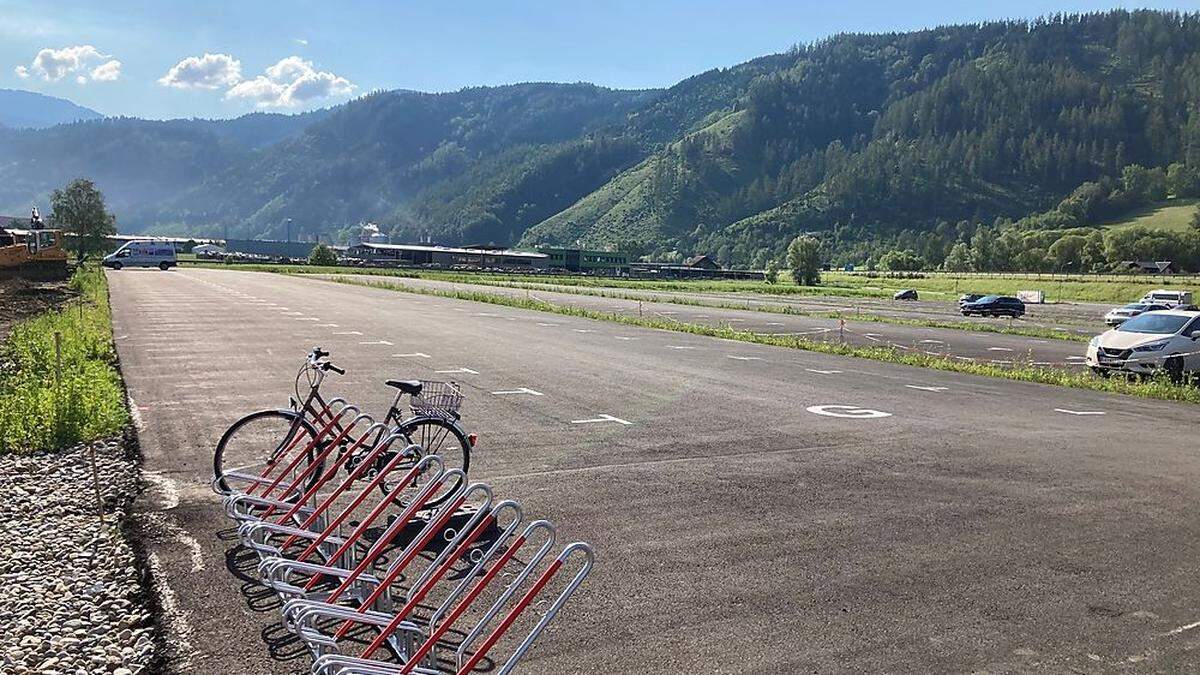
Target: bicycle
x,y
255,445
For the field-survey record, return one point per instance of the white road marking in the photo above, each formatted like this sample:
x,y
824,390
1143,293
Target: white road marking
x,y
624,337
377,342
933,342
680,347
603,418
458,370
1183,628
999,349
485,314
583,330
413,355
522,390
735,320
823,372
701,316
547,325
933,389
1076,358
850,411
1079,412
743,358
347,332
775,323
306,318
327,325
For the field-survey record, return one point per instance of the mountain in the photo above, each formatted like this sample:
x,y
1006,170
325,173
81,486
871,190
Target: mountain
x,y
870,142
28,110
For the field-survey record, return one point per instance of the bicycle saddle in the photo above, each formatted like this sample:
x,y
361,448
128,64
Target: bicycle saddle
x,y
412,387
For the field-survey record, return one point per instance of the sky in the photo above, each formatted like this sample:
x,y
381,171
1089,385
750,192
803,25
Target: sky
x,y
222,59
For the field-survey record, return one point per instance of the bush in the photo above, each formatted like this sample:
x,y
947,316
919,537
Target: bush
x,y
41,412
322,255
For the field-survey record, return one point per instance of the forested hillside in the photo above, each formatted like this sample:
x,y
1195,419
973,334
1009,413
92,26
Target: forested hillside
x,y
919,141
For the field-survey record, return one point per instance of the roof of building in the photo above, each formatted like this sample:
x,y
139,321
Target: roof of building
x,y
1150,265
451,249
699,260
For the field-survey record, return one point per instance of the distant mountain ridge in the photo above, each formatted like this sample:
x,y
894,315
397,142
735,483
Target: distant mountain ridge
x,y
868,141
21,109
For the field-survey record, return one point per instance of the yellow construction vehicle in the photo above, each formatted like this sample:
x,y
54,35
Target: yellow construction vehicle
x,y
34,253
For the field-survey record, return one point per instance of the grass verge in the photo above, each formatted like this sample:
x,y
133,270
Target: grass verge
x,y
47,402
595,288
1156,389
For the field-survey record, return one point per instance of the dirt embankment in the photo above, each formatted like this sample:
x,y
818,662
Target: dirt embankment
x,y
20,298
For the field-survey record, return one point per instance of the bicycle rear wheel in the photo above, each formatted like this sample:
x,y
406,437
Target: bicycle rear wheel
x,y
265,442
439,436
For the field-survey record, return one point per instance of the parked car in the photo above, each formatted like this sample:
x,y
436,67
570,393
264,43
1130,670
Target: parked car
x,y
968,297
994,305
1119,315
1160,341
142,254
1169,298
906,294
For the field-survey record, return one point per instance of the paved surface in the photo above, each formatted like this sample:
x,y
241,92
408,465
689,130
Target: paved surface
x,y
985,347
983,526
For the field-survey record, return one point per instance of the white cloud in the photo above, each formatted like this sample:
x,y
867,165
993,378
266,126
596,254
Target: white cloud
x,y
211,71
107,71
53,65
290,83
300,41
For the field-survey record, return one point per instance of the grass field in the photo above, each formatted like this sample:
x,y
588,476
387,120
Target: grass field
x,y
43,407
1175,215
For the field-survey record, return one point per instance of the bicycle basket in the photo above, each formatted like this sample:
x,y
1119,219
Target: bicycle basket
x,y
437,399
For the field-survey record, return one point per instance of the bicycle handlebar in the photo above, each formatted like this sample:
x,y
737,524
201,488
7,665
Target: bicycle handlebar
x,y
330,366
314,360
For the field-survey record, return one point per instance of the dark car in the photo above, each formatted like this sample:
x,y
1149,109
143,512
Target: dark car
x,y
906,294
994,305
968,297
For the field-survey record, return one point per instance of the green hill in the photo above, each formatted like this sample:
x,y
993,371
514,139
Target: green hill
x,y
1175,215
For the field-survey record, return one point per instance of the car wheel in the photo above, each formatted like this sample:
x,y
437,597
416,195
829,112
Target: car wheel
x,y
164,266
116,266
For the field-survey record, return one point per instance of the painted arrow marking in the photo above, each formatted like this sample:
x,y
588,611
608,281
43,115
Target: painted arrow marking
x,y
377,342
458,370
1079,412
522,390
823,372
413,355
933,389
603,418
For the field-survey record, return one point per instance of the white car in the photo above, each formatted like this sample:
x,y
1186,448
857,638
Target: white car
x,y
1153,342
1120,315
1169,298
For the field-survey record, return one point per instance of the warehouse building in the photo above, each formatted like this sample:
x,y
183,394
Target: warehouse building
x,y
583,261
448,257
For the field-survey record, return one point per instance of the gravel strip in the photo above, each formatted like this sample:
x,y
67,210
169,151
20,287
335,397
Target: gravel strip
x,y
71,593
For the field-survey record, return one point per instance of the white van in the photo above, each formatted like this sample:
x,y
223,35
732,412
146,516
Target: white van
x,y
160,254
1168,298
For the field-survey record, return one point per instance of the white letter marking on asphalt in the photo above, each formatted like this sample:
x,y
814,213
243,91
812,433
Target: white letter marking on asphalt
x,y
853,412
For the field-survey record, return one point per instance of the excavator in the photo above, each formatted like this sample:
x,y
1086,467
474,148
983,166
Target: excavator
x,y
35,253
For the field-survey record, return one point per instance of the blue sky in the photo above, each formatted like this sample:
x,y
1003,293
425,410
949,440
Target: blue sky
x,y
301,55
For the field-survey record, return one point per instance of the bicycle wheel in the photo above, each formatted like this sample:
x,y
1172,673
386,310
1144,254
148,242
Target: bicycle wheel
x,y
254,442
438,436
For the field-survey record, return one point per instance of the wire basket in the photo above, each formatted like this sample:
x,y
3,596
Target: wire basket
x,y
437,399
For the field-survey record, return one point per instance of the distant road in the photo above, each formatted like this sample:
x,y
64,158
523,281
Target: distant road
x,y
985,347
766,509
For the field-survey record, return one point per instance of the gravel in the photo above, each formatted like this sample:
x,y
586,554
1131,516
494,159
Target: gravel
x,y
71,590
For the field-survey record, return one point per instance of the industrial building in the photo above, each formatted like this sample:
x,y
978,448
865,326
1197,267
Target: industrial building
x,y
449,257
583,261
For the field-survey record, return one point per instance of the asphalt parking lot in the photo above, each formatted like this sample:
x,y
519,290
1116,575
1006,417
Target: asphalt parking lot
x,y
750,516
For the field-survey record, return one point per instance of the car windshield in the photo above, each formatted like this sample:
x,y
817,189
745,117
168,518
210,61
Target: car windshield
x,y
1161,324
1135,306
989,298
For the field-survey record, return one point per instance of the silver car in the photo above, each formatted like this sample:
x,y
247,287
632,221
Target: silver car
x,y
1120,315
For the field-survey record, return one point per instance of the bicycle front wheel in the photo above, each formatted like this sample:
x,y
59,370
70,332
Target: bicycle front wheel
x,y
264,444
441,437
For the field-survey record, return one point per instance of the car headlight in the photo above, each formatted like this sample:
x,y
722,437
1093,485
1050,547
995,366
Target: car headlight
x,y
1152,347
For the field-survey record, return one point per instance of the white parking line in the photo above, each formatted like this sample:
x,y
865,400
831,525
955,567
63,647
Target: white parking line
x,y
933,389
413,355
680,347
624,337
347,332
603,418
458,370
583,330
743,358
823,372
326,325
999,349
377,342
522,390
1079,412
